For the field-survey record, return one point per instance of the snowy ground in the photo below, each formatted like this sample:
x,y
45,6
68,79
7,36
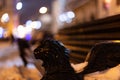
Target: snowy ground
x,y
11,66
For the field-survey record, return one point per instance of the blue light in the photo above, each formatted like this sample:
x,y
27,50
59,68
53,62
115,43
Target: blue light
x,y
28,37
1,32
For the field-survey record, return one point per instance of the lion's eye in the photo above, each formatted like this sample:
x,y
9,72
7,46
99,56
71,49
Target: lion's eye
x,y
44,49
36,52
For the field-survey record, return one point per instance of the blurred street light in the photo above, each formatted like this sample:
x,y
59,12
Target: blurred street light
x,y
43,10
21,32
67,17
36,24
70,14
33,24
62,17
28,23
5,18
19,6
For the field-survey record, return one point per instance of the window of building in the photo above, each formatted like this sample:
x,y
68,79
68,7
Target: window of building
x,y
118,2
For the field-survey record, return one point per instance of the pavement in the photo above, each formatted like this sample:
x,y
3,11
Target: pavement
x,y
11,65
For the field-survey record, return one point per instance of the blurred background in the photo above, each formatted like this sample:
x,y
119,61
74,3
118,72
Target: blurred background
x,y
79,24
51,15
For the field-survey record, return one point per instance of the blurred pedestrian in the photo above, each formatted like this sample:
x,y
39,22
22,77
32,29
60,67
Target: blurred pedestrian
x,y
12,39
24,47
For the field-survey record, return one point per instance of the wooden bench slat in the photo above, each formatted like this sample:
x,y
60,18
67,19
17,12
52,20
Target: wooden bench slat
x,y
96,27
94,36
79,42
77,48
81,37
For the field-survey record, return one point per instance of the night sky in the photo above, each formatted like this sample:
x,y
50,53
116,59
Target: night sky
x,y
30,9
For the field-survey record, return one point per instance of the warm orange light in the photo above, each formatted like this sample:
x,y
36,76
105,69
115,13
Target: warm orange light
x,y
108,1
116,41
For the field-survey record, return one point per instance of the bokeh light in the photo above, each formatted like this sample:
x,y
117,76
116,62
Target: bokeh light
x,y
1,32
62,17
21,32
43,10
70,14
28,23
19,6
36,24
5,18
67,17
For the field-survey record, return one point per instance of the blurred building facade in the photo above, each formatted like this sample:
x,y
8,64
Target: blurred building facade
x,y
7,7
84,10
88,10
